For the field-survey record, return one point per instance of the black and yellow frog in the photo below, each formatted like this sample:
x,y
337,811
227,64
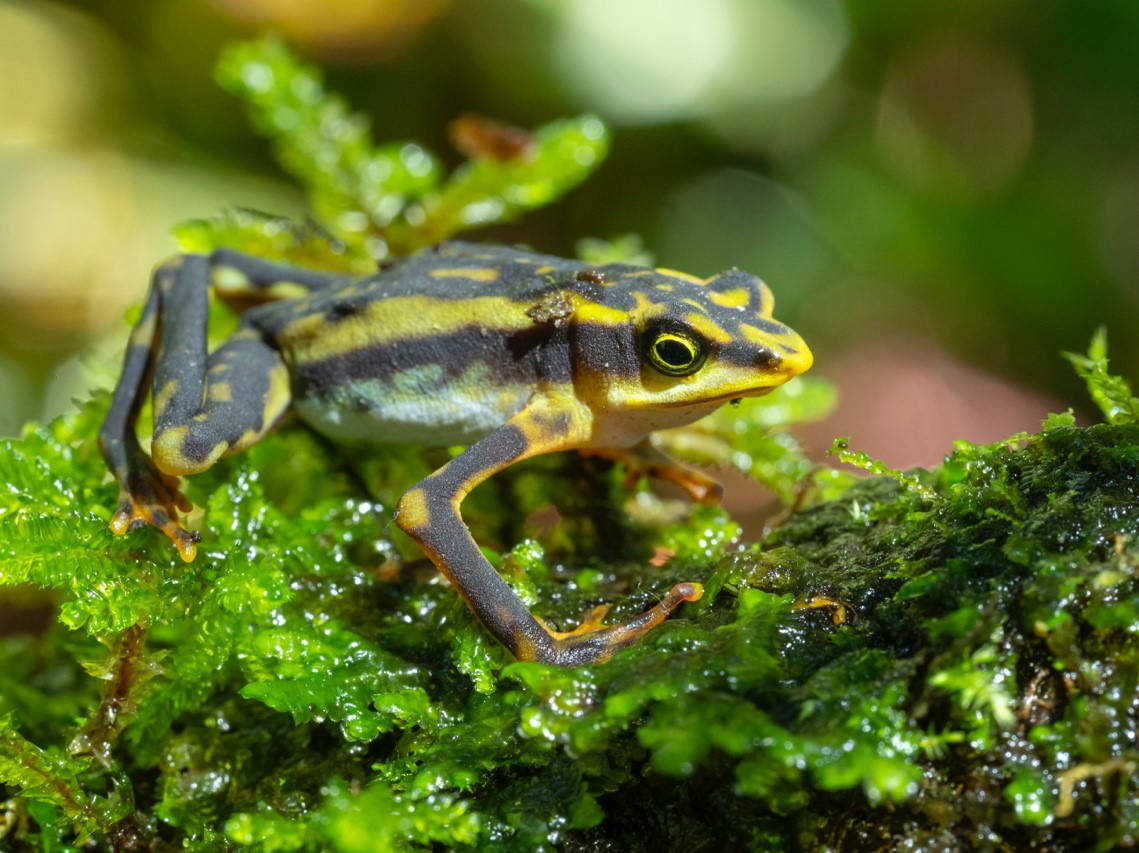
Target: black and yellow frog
x,y
513,353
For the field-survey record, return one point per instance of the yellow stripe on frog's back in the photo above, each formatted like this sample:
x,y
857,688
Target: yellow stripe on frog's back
x,y
480,274
738,298
398,318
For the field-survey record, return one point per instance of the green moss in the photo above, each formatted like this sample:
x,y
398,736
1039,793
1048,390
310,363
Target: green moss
x,y
948,656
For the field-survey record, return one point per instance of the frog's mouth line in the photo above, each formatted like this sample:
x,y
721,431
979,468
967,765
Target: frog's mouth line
x,y
723,398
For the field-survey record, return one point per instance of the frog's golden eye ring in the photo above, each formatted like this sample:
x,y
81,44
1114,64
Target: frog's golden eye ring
x,y
673,352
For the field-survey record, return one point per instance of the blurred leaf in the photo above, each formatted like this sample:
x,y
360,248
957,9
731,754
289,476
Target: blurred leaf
x,y
356,188
626,249
276,237
382,200
485,191
1031,797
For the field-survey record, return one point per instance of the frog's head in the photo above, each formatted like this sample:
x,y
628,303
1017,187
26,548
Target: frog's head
x,y
677,346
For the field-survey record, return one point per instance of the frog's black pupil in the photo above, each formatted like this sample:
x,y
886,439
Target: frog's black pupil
x,y
673,353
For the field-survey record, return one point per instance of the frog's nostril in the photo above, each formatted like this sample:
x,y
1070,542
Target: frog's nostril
x,y
768,358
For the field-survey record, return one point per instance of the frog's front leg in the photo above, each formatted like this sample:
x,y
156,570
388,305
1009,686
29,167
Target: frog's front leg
x,y
643,459
429,513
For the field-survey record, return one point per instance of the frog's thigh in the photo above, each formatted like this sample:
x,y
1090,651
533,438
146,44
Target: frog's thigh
x,y
246,394
236,277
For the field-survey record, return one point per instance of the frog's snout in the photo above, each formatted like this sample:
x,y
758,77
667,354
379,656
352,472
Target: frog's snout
x,y
794,359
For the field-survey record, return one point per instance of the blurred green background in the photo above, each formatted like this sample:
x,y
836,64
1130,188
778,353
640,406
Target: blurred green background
x,y
942,196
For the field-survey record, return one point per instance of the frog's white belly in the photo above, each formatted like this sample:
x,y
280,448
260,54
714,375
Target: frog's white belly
x,y
414,406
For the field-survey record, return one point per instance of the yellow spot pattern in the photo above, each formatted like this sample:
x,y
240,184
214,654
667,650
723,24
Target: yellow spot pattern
x,y
755,336
280,395
737,298
162,398
412,514
641,301
288,290
166,451
229,280
708,328
484,274
591,312
219,392
143,333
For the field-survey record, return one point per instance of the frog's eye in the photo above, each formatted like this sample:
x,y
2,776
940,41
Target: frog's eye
x,y
673,352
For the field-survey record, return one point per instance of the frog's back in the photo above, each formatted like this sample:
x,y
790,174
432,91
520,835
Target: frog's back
x,y
437,348
457,270
453,271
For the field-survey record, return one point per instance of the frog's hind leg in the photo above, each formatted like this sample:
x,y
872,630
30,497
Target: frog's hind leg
x,y
200,417
204,405
146,495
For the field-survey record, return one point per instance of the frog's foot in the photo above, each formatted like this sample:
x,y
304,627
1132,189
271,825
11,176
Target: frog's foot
x,y
594,642
147,496
701,488
592,622
644,460
842,613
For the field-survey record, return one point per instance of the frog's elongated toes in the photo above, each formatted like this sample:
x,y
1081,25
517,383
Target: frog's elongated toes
x,y
155,500
700,487
593,642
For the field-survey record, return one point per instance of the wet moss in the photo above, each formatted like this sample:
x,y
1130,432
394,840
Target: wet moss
x,y
958,667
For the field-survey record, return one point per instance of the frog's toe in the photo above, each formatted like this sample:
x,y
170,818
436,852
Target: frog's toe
x,y
169,494
156,501
701,488
592,622
705,490
187,543
648,462
594,642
